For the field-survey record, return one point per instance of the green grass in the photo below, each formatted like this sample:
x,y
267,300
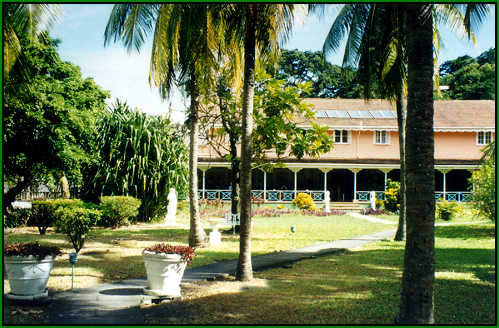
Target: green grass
x,y
360,287
111,255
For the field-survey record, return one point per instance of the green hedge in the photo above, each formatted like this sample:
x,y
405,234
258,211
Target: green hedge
x,y
118,210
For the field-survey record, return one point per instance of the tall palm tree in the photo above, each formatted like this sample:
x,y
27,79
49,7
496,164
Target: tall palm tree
x,y
23,19
185,40
376,41
260,27
416,305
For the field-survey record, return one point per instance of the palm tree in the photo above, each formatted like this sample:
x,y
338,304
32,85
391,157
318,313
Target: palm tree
x,y
22,19
416,305
184,44
376,41
259,26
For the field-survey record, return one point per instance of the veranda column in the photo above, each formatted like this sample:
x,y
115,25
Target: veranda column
x,y
295,170
385,171
325,170
264,185
444,183
204,169
355,171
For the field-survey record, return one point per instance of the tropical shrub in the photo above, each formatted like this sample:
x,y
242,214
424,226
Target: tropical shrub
x,y
142,156
446,210
484,195
76,223
392,196
304,201
118,210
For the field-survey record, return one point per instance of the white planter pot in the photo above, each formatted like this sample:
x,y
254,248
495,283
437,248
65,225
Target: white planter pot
x,y
164,273
27,275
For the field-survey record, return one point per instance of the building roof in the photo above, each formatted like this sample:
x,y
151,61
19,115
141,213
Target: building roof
x,y
450,115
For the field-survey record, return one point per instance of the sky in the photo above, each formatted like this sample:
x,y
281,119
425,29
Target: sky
x,y
125,74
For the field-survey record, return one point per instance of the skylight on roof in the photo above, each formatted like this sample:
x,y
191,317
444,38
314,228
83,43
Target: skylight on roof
x,y
359,114
320,114
337,113
383,113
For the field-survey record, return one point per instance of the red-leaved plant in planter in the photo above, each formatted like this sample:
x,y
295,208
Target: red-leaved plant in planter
x,y
27,249
187,253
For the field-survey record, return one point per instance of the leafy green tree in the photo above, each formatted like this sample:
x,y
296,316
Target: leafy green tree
x,y
473,82
275,110
484,182
141,156
49,119
328,81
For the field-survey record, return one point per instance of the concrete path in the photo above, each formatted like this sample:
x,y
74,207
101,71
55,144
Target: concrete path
x,y
370,218
118,303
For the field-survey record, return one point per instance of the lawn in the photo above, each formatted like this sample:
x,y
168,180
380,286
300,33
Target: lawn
x,y
113,255
360,287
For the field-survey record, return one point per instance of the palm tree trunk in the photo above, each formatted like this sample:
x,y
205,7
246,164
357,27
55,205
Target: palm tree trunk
x,y
401,119
197,236
416,303
244,266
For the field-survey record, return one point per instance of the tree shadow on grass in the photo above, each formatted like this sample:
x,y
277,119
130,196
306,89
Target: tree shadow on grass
x,y
358,288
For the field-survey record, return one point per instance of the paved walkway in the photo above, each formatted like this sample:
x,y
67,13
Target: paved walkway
x,y
370,218
118,303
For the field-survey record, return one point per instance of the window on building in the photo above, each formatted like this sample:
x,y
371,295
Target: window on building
x,y
484,138
341,136
382,137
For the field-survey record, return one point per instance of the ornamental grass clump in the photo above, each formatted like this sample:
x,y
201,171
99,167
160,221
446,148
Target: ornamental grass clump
x,y
33,248
187,253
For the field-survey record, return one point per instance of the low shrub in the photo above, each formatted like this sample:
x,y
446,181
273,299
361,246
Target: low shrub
x,y
76,223
17,217
187,253
27,249
372,211
304,201
446,210
322,212
43,211
118,210
42,215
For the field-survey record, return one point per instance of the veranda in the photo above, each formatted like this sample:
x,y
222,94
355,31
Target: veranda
x,y
345,183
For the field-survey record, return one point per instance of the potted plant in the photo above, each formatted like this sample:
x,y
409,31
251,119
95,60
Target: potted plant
x,y
28,267
165,265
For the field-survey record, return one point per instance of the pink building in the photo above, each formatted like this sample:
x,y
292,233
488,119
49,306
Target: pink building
x,y
366,153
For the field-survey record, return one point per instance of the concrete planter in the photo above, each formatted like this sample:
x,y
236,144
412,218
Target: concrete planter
x,y
28,276
164,273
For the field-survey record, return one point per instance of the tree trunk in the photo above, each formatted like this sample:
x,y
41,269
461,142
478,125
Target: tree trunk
x,y
197,236
244,266
401,116
416,303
